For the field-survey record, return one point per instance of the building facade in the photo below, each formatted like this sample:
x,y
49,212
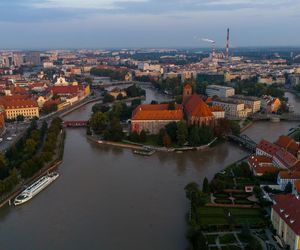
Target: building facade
x,y
220,91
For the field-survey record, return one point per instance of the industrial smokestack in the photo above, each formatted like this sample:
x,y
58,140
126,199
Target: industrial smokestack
x,y
227,47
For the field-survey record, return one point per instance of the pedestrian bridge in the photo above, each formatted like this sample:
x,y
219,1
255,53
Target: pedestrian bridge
x,y
244,141
75,124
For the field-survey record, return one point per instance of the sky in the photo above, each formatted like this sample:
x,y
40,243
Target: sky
x,y
43,24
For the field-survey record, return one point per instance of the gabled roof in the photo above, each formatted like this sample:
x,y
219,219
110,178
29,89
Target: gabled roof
x,y
268,147
288,144
195,106
157,112
288,175
288,208
286,158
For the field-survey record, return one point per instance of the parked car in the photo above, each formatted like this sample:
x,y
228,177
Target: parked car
x,y
9,138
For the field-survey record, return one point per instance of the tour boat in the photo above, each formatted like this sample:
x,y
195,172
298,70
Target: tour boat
x,y
35,188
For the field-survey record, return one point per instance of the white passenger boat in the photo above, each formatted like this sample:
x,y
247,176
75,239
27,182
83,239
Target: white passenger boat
x,y
35,188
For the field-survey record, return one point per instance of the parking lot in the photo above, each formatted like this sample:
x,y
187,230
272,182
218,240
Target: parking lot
x,y
12,133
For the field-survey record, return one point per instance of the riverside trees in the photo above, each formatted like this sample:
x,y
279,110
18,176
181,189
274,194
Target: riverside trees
x,y
29,154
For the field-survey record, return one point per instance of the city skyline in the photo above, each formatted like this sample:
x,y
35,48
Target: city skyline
x,y
146,23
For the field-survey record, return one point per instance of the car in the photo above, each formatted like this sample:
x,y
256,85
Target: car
x,y
1,140
9,138
13,135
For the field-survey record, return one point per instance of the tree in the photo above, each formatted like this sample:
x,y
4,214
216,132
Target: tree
x,y
98,122
114,132
20,118
235,127
205,188
182,133
99,107
136,102
167,140
193,138
30,146
171,106
171,129
143,136
108,98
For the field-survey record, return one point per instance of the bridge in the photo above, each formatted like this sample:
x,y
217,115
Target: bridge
x,y
274,117
75,124
244,141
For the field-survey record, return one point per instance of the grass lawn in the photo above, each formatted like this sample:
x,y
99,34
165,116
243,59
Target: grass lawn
x,y
221,195
223,201
212,216
227,239
241,195
243,202
241,216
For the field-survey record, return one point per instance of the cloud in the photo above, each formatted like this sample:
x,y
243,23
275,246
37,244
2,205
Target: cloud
x,y
87,4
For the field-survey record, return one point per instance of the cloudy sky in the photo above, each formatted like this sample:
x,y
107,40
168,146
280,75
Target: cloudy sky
x,y
147,23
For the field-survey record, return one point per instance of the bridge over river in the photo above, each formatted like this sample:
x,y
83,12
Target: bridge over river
x,y
244,141
274,117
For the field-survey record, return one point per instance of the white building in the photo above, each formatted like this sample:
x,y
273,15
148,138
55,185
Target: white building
x,y
250,101
285,177
220,91
233,108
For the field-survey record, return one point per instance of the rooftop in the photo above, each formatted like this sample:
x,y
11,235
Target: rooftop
x,y
157,112
288,208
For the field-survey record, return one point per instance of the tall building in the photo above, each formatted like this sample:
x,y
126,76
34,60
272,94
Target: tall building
x,y
33,58
18,59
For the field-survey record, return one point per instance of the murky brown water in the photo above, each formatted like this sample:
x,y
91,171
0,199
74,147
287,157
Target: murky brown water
x,y
108,198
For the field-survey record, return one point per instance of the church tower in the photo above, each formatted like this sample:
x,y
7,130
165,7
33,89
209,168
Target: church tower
x,y
187,92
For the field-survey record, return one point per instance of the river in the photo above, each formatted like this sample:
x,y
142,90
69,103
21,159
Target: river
x,y
108,198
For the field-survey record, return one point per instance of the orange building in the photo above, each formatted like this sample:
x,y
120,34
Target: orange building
x,y
19,105
152,118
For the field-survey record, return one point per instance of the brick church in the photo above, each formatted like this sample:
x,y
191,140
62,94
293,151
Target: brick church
x,y
194,110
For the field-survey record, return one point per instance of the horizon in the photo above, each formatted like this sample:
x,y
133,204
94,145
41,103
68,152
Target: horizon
x,y
147,23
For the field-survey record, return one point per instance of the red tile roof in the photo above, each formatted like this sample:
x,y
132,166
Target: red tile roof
x,y
195,106
288,144
286,158
289,175
157,112
216,108
262,164
188,87
297,186
268,147
64,89
288,208
13,102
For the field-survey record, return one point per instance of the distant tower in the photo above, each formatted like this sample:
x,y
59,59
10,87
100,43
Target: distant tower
x,y
187,92
227,47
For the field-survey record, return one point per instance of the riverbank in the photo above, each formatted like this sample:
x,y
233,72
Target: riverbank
x,y
54,164
137,146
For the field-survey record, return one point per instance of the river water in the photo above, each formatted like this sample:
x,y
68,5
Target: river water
x,y
108,198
